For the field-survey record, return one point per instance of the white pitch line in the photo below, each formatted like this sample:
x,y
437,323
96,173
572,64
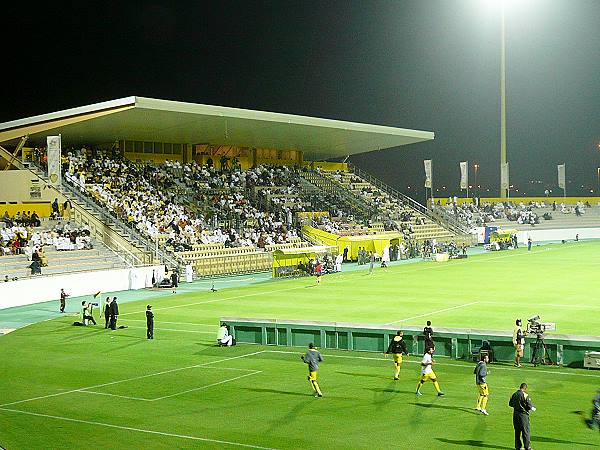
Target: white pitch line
x,y
516,369
431,313
173,329
128,397
130,379
115,395
213,325
235,297
139,430
207,386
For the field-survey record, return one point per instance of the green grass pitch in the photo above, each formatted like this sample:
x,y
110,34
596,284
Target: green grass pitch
x,y
89,388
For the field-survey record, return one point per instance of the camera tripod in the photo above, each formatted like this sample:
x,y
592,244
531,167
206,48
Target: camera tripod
x,y
540,353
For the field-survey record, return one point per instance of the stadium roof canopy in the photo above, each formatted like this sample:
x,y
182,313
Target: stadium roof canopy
x,y
153,120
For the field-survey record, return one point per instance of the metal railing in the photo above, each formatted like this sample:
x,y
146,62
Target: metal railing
x,y
75,191
447,222
331,186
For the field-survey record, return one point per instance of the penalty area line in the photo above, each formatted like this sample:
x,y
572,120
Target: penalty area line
x,y
131,379
139,430
207,386
431,313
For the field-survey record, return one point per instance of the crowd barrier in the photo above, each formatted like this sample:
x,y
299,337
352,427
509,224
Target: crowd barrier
x,y
563,350
36,290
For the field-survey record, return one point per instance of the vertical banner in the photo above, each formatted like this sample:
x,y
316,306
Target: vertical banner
x,y
54,148
464,174
561,176
428,173
504,176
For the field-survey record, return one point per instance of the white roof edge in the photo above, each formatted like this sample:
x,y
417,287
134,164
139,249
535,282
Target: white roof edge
x,y
238,113
125,101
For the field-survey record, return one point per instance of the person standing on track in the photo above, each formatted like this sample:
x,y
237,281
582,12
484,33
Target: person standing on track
x,y
63,300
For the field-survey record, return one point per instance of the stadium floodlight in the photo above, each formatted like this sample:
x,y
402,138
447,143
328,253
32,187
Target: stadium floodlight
x,y
502,5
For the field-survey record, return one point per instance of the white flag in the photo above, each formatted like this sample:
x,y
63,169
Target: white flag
x,y
428,173
53,145
504,176
561,176
464,174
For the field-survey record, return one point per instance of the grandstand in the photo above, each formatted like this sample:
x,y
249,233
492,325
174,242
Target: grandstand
x,y
244,193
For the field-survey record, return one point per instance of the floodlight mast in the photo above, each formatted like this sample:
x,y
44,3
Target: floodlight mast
x,y
503,191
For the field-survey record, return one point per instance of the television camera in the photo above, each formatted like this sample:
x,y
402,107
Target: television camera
x,y
540,353
537,327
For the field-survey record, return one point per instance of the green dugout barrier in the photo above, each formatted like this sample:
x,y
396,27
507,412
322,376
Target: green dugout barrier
x,y
564,350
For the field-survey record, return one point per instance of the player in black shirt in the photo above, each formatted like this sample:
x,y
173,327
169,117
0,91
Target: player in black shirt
x,y
521,404
428,333
396,348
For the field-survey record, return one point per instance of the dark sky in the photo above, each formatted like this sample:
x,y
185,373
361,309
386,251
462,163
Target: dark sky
x,y
423,64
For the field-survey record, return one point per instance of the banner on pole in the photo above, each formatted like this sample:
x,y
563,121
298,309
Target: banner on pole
x,y
504,176
561,176
53,145
428,173
464,174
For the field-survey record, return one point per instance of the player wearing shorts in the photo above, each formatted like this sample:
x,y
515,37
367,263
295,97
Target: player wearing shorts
x,y
427,373
518,342
396,348
313,358
481,382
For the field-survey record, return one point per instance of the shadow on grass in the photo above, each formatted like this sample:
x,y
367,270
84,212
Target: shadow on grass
x,y
471,443
550,440
390,391
275,391
370,375
455,408
129,344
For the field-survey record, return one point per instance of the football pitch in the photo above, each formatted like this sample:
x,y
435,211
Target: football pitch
x,y
87,387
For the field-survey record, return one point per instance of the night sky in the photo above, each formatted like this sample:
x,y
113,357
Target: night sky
x,y
424,64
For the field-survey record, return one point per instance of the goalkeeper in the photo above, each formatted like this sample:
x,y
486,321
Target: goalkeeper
x,y
595,420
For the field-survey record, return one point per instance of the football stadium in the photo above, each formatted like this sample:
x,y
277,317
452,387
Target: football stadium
x,y
180,275
296,252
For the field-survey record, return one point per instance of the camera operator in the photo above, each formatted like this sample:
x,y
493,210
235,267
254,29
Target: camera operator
x,y
86,312
518,342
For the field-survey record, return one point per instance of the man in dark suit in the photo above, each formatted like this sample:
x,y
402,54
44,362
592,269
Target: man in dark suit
x,y
107,312
149,322
114,313
521,404
174,280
